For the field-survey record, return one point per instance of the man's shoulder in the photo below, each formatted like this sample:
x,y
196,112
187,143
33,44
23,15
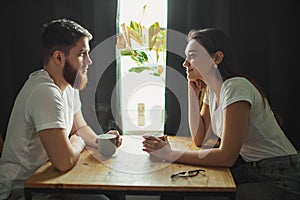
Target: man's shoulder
x,y
40,76
40,79
39,86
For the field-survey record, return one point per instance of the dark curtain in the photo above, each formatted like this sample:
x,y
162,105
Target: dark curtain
x,y
266,42
21,25
263,33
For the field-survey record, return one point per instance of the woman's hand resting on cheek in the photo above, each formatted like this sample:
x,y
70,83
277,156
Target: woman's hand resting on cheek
x,y
197,86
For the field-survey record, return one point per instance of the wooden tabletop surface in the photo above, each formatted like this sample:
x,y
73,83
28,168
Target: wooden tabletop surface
x,y
131,169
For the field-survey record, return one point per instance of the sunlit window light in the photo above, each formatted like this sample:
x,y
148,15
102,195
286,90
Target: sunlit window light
x,y
141,65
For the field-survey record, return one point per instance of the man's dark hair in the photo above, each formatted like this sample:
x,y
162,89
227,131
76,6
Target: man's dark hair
x,y
61,34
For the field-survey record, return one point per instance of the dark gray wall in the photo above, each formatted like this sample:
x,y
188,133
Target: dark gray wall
x,y
264,33
266,41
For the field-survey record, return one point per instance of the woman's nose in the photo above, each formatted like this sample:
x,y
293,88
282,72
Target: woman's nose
x,y
186,64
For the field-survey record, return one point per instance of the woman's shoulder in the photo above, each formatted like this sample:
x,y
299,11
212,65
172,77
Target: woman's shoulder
x,y
239,82
238,88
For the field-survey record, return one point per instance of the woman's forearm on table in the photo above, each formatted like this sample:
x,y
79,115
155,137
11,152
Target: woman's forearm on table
x,y
203,157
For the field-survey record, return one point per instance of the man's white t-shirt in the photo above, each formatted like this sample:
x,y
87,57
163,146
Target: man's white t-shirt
x,y
39,105
264,137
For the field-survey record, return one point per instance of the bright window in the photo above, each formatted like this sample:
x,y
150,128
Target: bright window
x,y
141,65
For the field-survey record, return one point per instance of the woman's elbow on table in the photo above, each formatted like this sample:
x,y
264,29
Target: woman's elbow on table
x,y
228,163
228,160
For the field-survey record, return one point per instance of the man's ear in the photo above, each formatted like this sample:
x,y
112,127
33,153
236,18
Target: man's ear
x,y
59,58
218,57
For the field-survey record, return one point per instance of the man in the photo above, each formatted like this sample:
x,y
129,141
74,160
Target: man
x,y
46,122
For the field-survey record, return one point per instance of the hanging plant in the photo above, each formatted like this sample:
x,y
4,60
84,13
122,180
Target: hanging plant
x,y
149,41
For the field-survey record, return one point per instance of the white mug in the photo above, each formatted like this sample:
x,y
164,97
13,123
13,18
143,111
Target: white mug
x,y
107,144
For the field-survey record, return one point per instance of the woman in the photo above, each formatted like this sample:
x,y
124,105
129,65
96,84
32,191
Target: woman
x,y
252,144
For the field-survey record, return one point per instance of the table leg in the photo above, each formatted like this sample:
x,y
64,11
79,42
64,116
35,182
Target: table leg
x,y
115,196
28,194
232,196
171,197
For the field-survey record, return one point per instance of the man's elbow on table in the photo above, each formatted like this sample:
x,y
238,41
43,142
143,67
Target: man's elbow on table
x,y
65,165
63,152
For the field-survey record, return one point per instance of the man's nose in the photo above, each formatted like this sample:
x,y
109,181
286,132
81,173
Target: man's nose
x,y
89,60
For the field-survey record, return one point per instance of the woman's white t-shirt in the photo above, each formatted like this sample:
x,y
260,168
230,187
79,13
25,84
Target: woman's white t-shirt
x,y
39,105
264,137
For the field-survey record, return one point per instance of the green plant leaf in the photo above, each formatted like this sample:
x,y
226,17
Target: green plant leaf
x,y
139,69
126,52
136,26
144,55
152,34
135,35
139,56
155,74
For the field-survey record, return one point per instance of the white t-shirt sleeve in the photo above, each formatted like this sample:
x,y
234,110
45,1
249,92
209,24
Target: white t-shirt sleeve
x,y
77,102
45,107
237,90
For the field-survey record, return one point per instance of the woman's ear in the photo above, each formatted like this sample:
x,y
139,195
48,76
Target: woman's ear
x,y
218,57
58,57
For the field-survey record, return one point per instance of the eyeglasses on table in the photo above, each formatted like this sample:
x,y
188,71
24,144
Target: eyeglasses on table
x,y
190,173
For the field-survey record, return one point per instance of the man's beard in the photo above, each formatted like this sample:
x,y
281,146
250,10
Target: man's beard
x,y
73,77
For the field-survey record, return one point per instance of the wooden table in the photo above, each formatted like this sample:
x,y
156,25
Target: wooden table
x,y
130,171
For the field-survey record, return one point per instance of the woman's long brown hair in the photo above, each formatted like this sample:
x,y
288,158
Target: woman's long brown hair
x,y
214,40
